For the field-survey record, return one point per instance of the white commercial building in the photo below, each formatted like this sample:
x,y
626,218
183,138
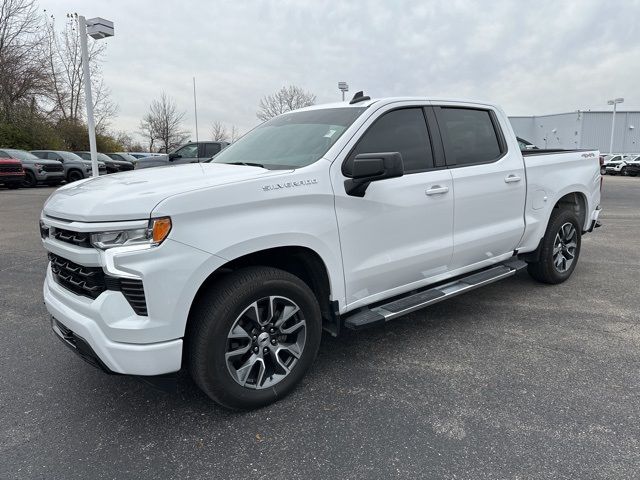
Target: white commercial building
x,y
591,129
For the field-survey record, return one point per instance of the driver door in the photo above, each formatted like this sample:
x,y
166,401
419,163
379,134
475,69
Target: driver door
x,y
398,236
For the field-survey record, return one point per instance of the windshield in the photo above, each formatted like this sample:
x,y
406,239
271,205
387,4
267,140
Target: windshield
x,y
21,154
127,157
70,156
291,140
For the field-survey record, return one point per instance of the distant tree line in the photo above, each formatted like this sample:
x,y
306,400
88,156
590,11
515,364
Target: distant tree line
x,y
42,102
41,84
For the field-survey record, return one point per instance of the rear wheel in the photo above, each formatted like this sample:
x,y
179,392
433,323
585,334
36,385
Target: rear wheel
x,y
29,179
253,336
559,250
603,171
623,171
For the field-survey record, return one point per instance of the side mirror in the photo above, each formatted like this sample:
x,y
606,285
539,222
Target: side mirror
x,y
371,167
173,156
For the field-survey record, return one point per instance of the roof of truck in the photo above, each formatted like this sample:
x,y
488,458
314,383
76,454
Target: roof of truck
x,y
387,100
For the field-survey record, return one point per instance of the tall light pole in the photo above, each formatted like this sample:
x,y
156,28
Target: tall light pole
x,y
343,87
195,107
613,102
98,28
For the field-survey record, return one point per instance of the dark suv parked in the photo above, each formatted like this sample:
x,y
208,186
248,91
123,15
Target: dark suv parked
x,y
190,153
113,165
75,168
36,170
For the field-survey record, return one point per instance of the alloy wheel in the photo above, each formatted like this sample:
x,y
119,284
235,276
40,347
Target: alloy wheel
x,y
564,247
265,342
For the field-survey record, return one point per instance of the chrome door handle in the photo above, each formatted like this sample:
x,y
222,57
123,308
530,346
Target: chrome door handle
x,y
437,189
511,178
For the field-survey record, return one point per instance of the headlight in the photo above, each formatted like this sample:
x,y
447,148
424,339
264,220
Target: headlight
x,y
153,235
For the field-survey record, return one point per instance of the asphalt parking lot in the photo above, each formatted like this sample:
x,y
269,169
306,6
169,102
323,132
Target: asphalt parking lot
x,y
515,380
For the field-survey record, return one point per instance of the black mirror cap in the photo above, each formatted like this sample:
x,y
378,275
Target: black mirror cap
x,y
371,167
173,156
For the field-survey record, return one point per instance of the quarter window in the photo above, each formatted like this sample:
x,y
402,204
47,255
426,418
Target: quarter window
x,y
469,136
404,131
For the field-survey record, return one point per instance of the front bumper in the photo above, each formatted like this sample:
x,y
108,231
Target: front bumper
x,y
17,177
126,340
117,357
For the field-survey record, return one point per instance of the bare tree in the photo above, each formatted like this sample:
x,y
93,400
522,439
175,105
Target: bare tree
x,y
163,123
234,135
284,100
219,132
22,78
63,66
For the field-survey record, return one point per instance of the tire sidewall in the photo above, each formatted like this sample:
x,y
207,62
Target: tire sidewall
x,y
216,380
557,220
74,176
29,179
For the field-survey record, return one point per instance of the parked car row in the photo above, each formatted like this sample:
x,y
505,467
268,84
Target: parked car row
x,y
52,167
621,165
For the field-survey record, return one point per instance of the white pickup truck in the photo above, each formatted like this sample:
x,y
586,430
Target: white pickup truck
x,y
330,217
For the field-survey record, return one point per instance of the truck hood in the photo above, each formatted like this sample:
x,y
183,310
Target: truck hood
x,y
133,195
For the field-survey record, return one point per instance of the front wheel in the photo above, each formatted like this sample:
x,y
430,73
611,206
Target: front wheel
x,y
603,171
623,171
74,176
559,250
252,337
29,179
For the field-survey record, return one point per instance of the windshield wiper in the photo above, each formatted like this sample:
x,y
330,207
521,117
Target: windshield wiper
x,y
246,164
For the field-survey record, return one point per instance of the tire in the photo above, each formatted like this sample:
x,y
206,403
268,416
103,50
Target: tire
x,y
74,176
232,358
546,269
29,179
603,171
623,171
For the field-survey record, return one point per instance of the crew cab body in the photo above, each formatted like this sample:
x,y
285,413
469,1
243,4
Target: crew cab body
x,y
365,203
11,172
37,171
192,152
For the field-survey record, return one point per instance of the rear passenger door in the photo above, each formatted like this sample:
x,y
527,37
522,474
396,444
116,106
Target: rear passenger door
x,y
400,234
488,181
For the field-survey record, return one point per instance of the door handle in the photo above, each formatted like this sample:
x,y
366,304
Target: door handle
x,y
436,190
511,178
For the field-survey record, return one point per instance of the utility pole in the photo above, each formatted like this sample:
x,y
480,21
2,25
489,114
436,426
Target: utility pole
x,y
195,107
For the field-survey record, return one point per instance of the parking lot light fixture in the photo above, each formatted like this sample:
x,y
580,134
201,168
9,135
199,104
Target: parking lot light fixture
x,y
343,87
98,28
613,102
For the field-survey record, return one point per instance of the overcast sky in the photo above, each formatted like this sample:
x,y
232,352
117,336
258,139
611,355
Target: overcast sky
x,y
544,56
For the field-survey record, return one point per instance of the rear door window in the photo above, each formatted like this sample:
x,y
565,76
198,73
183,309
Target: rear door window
x,y
210,149
469,136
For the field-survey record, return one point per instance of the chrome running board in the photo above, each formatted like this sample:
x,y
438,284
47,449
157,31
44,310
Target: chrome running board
x,y
389,311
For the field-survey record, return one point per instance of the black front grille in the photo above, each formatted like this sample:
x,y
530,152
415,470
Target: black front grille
x,y
6,168
52,167
92,281
80,239
86,281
